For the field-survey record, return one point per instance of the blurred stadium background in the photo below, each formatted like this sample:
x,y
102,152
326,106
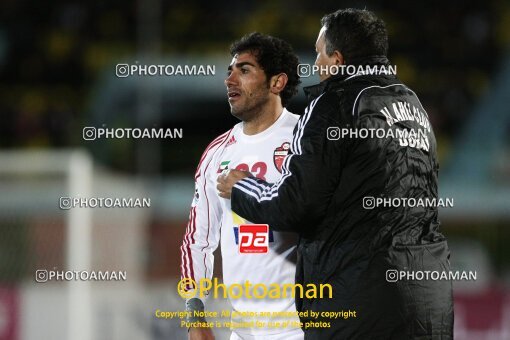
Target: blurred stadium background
x,y
57,76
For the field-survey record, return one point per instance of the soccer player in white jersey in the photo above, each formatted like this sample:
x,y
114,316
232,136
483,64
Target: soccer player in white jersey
x,y
262,77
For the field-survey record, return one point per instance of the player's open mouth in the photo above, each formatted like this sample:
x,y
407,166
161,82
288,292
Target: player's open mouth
x,y
233,95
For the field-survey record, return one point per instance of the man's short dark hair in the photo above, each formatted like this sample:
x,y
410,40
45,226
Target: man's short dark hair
x,y
355,33
274,56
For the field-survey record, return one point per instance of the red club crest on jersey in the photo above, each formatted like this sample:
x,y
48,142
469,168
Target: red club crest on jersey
x,y
279,155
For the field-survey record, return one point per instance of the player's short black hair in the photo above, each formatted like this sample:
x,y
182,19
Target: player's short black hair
x,y
355,33
274,56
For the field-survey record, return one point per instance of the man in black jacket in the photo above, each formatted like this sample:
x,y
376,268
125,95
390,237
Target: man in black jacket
x,y
360,188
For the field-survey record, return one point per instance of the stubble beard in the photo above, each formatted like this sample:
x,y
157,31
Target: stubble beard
x,y
252,110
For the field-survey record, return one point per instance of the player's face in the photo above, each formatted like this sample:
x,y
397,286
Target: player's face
x,y
247,87
323,59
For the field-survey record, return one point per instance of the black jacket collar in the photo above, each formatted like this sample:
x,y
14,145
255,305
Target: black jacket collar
x,y
315,91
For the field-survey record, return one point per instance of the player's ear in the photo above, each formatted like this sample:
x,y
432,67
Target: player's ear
x,y
339,58
278,82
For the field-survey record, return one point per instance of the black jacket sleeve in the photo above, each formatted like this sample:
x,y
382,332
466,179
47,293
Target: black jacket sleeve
x,y
310,175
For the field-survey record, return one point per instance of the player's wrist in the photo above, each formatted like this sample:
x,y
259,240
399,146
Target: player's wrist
x,y
195,308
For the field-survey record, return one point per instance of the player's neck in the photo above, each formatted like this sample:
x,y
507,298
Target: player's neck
x,y
266,117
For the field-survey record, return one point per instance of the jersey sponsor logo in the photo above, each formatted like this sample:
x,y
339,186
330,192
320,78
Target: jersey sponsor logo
x,y
279,155
253,238
223,166
231,141
236,235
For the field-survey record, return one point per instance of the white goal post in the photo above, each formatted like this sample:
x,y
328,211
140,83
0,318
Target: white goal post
x,y
77,167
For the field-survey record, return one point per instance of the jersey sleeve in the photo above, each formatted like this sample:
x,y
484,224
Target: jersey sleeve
x,y
203,229
309,178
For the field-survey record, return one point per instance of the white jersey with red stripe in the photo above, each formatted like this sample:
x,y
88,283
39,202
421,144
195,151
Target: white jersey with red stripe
x,y
211,220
